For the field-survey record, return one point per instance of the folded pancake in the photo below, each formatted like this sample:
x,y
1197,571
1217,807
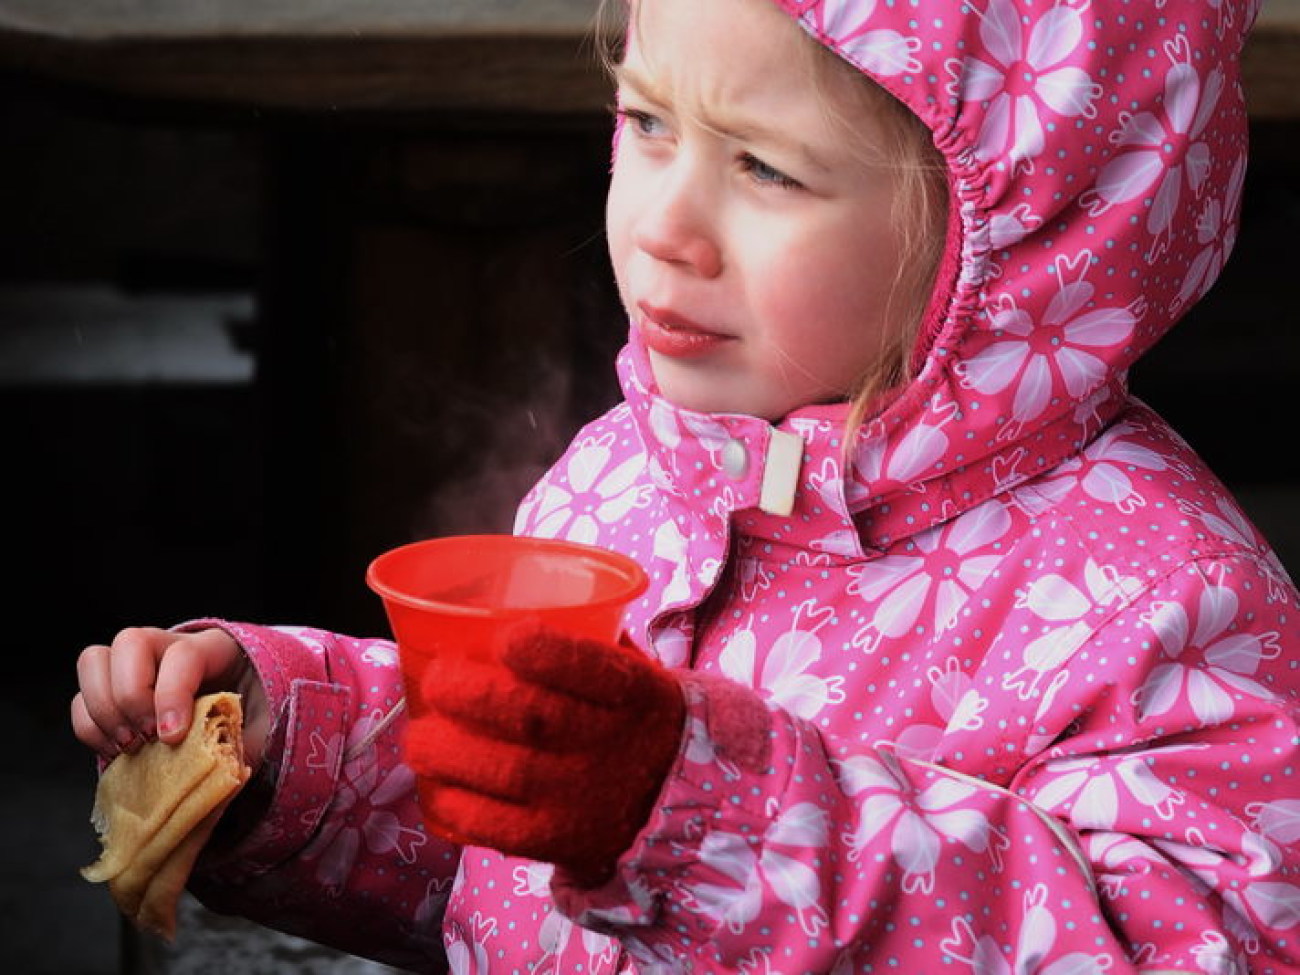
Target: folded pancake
x,y
155,809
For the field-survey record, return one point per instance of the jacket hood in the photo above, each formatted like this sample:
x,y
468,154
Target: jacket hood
x,y
1096,152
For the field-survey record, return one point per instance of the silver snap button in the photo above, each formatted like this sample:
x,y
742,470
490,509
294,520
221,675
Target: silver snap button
x,y
735,459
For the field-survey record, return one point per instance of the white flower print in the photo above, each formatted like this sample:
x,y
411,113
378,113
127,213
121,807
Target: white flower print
x,y
957,703
956,699
670,545
1043,494
671,426
1103,471
864,474
467,952
1013,226
1116,857
700,748
533,879
599,492
1276,904
951,562
1249,904
1207,662
916,822
1054,599
1278,820
838,494
1090,789
1230,523
663,421
1036,939
380,653
789,880
879,459
1166,150
1216,232
426,928
1107,463
1065,350
1211,865
668,425
784,675
1217,957
1025,77
846,24
916,453
562,950
753,577
359,813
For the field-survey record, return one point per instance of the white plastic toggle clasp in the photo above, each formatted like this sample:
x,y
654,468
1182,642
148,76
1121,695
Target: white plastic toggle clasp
x,y
780,473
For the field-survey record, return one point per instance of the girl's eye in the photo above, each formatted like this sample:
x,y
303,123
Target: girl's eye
x,y
761,172
643,122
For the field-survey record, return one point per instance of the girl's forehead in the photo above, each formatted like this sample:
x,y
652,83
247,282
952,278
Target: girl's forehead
x,y
722,58
722,50
754,26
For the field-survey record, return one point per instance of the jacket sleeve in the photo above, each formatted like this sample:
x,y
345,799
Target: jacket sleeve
x,y
337,852
1155,832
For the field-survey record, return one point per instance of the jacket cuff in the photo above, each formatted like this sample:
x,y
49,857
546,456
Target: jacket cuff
x,y
300,773
730,734
279,657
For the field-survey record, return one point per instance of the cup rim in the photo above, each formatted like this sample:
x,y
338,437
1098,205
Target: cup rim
x,y
636,580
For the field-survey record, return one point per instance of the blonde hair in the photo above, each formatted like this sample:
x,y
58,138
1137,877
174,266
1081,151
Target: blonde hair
x,y
919,213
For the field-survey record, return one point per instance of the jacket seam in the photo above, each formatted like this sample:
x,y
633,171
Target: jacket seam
x,y
1059,829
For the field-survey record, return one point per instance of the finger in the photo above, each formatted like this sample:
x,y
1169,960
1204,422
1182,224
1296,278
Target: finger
x,y
449,752
94,676
493,701
133,663
601,673
88,731
186,665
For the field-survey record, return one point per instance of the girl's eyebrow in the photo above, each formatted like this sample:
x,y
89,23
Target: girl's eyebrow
x,y
746,129
628,77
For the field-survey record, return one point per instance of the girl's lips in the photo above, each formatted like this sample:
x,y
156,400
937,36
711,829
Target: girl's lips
x,y
676,337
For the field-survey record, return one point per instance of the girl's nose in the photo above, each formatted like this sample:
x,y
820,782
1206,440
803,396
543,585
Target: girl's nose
x,y
676,226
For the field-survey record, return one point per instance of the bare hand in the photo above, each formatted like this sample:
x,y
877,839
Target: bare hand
x,y
143,686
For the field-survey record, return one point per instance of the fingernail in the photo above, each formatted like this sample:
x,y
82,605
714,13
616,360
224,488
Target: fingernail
x,y
148,729
124,736
168,722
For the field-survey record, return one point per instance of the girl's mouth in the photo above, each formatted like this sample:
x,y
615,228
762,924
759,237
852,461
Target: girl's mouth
x,y
675,336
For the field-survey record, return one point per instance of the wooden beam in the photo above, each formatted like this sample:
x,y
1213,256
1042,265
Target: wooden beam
x,y
472,56
533,57
1270,66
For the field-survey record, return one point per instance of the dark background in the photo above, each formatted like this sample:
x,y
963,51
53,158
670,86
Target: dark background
x,y
241,354
424,314
424,319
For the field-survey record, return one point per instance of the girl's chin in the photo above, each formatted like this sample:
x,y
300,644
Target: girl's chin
x,y
698,395
694,393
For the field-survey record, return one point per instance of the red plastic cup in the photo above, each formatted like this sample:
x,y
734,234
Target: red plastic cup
x,y
452,595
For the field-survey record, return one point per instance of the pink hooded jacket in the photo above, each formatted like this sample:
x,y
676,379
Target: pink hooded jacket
x,y
1014,690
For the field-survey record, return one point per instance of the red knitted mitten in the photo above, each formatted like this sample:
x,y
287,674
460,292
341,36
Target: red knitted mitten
x,y
554,751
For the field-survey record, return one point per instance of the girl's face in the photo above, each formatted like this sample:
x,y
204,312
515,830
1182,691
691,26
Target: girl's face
x,y
753,248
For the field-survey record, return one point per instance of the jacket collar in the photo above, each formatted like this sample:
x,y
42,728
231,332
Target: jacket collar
x,y
793,484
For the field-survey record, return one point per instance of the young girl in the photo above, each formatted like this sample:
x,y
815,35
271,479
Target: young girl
x,y
954,656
